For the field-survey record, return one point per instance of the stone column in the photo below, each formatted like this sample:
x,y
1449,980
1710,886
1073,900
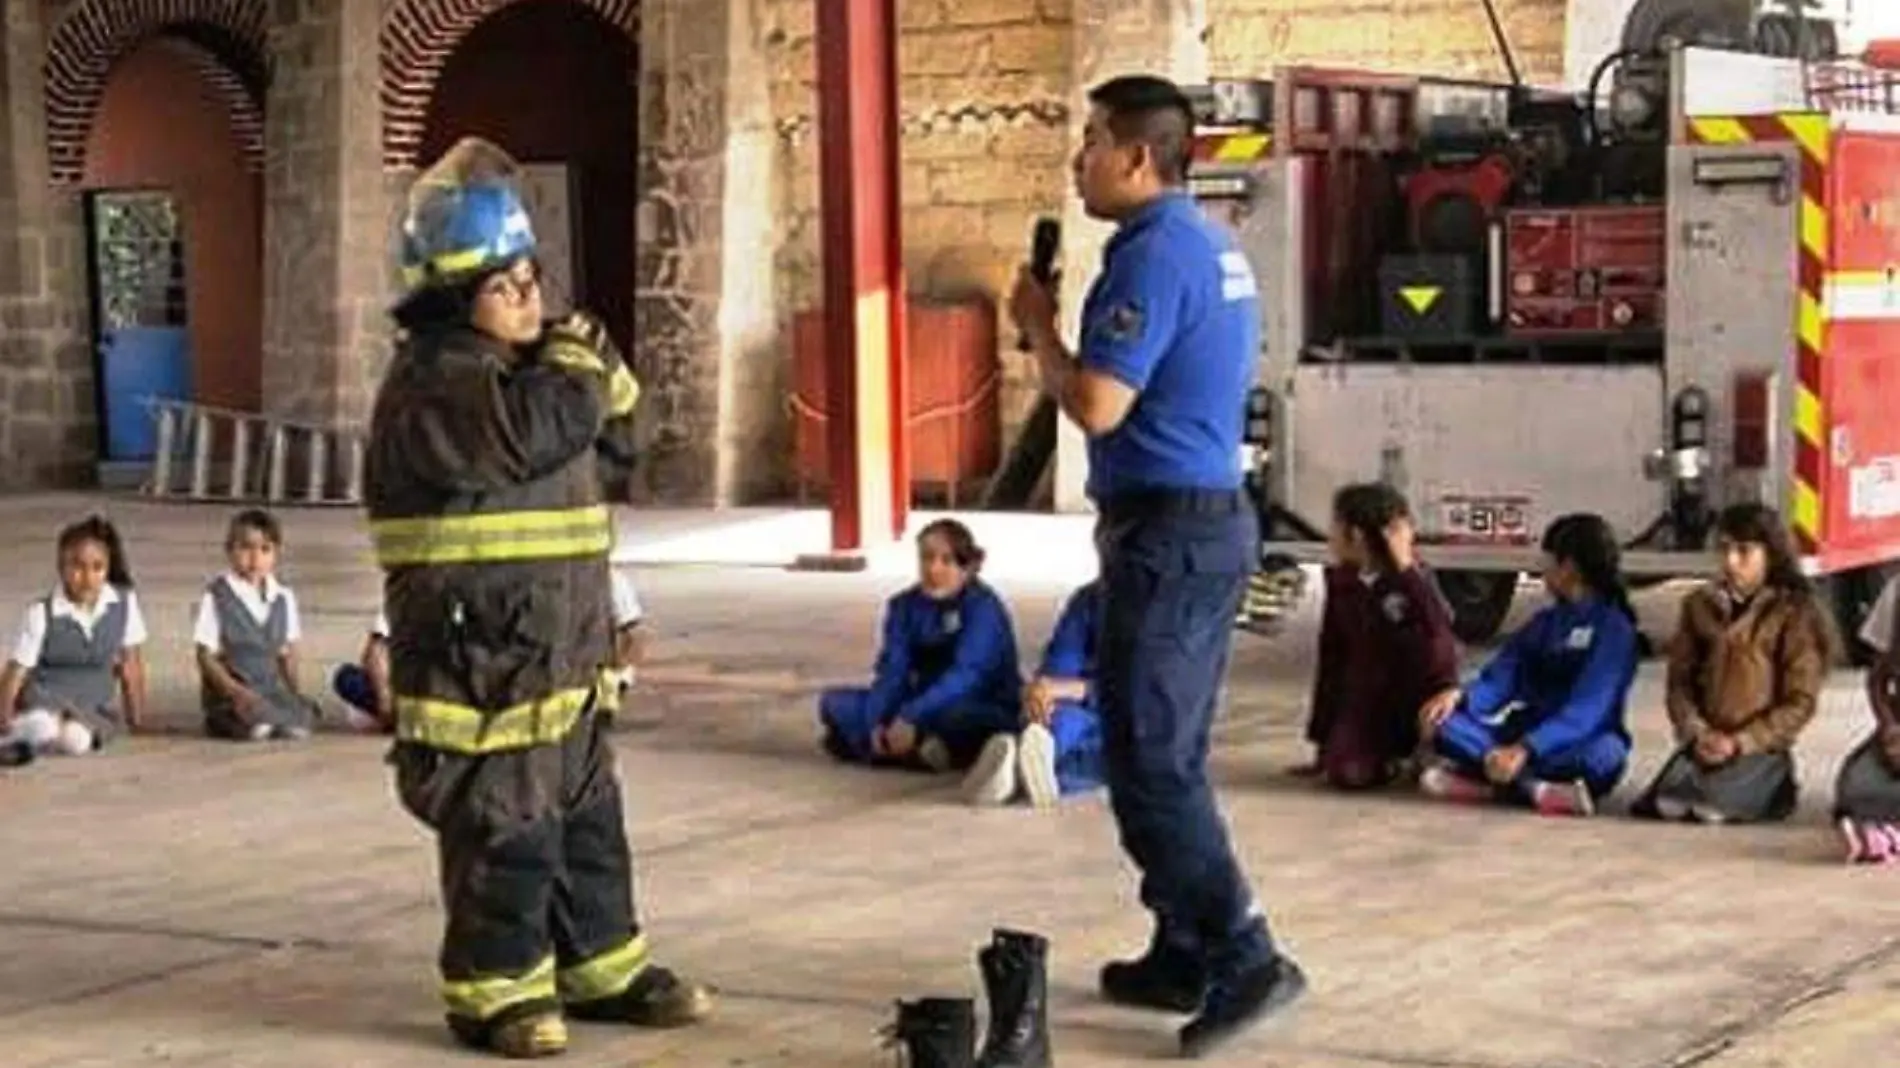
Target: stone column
x,y
326,238
48,411
1113,38
704,322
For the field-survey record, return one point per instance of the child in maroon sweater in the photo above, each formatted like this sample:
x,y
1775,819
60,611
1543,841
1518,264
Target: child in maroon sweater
x,y
1385,643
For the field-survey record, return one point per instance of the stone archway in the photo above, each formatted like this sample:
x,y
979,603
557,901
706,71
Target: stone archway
x,y
232,55
417,38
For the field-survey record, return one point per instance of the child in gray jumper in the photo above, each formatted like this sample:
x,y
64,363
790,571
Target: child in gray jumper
x,y
76,652
246,635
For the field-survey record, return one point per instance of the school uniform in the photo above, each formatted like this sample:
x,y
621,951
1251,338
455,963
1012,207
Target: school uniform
x,y
353,686
1868,789
249,629
1385,648
1558,688
1064,757
1750,668
948,667
70,655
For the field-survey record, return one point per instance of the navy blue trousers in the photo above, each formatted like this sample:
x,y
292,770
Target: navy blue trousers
x,y
1172,584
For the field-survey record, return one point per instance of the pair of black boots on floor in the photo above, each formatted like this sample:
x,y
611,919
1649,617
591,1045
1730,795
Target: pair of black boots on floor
x,y
941,1032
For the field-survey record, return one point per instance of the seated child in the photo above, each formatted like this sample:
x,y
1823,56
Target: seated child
x,y
364,686
946,677
1059,750
630,641
1543,721
1867,793
246,637
1746,668
1385,644
77,650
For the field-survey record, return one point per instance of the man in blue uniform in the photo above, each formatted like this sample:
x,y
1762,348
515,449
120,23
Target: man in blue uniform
x,y
1170,333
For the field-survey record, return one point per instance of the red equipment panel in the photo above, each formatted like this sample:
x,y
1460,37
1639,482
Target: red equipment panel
x,y
1577,271
1346,124
1860,365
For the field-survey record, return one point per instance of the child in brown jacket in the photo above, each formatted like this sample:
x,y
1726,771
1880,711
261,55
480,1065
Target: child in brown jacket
x,y
1867,794
1746,668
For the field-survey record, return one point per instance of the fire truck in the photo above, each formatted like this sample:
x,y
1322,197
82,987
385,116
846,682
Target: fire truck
x,y
1672,290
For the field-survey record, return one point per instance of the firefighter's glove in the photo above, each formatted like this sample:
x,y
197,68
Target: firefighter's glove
x,y
580,343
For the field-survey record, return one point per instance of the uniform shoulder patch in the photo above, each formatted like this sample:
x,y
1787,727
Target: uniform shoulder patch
x,y
1122,322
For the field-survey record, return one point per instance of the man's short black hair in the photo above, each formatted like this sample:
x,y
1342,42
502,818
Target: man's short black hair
x,y
1150,111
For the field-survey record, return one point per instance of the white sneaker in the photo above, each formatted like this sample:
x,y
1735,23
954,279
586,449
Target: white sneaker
x,y
260,732
934,754
1036,763
992,779
1670,808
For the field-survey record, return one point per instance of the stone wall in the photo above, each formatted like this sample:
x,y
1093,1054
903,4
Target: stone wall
x,y
48,426
1446,37
985,97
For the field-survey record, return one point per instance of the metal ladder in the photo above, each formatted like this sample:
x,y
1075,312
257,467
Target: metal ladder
x,y
256,463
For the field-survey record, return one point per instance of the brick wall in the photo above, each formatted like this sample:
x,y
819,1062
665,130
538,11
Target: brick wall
x,y
1448,37
986,86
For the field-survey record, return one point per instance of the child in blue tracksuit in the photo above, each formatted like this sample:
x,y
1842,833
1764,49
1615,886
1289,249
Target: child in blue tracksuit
x,y
1059,750
947,677
1543,722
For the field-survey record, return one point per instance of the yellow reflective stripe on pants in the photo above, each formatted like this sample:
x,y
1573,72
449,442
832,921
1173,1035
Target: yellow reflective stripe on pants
x,y
461,728
493,538
482,999
605,975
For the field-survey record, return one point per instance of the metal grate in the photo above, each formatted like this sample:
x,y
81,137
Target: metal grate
x,y
139,245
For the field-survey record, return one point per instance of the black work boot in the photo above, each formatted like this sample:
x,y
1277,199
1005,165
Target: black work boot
x,y
935,1032
16,755
1236,1004
1167,978
1016,979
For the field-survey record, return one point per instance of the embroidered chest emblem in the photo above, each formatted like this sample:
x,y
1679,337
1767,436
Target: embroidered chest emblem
x,y
1394,607
1579,638
952,621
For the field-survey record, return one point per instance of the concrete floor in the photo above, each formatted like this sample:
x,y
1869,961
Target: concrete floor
x,y
182,902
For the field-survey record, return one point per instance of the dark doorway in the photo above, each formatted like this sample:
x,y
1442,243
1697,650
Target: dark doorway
x,y
555,84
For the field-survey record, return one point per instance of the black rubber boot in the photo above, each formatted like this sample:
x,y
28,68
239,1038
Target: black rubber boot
x,y
1016,979
935,1032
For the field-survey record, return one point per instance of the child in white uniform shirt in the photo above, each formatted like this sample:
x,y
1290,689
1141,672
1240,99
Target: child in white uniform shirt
x,y
364,685
246,636
77,649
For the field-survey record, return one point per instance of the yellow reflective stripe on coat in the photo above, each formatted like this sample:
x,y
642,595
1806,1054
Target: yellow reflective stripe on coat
x,y
461,728
481,999
493,537
605,975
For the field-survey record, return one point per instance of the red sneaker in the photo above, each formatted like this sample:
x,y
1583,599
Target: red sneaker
x,y
1563,799
1445,784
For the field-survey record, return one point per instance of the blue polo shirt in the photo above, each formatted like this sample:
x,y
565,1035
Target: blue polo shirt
x,y
1175,316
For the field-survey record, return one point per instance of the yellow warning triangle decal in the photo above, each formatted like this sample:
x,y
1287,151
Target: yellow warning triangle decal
x,y
1421,298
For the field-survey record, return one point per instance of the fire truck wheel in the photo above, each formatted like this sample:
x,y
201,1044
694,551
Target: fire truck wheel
x,y
1851,595
1480,600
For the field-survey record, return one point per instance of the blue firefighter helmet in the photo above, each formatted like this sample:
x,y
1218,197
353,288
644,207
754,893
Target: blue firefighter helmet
x,y
465,217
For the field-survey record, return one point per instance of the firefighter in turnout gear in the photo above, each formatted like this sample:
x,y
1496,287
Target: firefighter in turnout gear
x,y
486,515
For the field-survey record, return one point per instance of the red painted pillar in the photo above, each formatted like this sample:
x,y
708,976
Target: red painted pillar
x,y
868,439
